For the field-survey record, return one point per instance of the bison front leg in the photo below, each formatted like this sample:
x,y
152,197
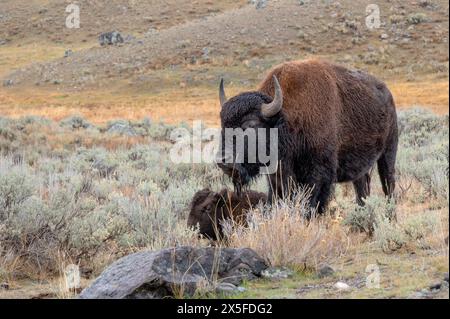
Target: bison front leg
x,y
281,184
362,188
319,177
323,197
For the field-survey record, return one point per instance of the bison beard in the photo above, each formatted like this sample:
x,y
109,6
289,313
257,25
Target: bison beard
x,y
334,125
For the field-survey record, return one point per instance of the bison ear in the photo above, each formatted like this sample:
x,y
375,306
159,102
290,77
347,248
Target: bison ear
x,y
200,197
222,197
222,95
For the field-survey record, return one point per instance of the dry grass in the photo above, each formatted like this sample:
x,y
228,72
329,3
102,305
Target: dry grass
x,y
432,94
283,237
15,57
184,104
101,107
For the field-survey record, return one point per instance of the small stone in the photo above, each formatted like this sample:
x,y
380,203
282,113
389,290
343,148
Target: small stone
x,y
226,288
384,36
8,82
277,273
241,289
301,35
205,53
325,271
4,286
436,286
68,53
110,38
446,277
259,4
341,286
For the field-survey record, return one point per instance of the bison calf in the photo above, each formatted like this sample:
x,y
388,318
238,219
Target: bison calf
x,y
209,209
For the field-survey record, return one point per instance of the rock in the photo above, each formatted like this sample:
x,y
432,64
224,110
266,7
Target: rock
x,y
384,36
164,273
205,53
325,271
4,286
151,31
241,289
446,277
110,38
423,294
129,38
301,35
259,4
8,82
277,273
68,53
436,286
226,288
341,286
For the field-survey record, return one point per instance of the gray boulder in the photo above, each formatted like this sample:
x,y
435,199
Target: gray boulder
x,y
164,273
110,38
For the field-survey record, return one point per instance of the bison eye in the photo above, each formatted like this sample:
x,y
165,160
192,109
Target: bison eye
x,y
250,124
207,209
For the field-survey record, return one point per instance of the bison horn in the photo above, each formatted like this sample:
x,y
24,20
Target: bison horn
x,y
271,109
222,96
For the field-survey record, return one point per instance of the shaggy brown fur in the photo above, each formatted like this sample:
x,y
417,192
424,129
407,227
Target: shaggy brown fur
x,y
335,124
209,209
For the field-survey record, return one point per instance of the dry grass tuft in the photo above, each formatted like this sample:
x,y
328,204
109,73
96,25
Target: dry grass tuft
x,y
283,237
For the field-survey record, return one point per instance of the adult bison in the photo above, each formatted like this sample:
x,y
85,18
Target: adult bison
x,y
333,125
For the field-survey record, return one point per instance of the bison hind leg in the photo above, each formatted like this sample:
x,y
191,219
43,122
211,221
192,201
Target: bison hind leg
x,y
386,167
386,170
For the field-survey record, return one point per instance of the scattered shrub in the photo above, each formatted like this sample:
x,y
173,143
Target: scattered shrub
x,y
64,191
365,218
388,235
75,123
417,18
417,227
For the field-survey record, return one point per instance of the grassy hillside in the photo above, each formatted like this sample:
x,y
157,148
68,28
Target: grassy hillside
x,y
172,71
